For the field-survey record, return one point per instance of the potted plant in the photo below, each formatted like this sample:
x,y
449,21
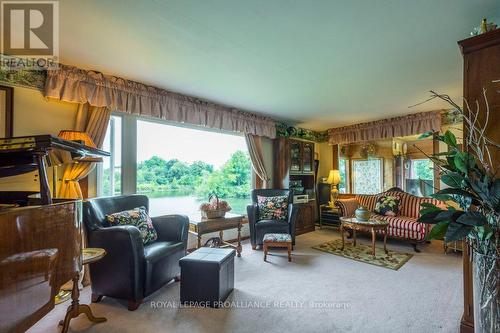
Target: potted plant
x,y
214,208
474,188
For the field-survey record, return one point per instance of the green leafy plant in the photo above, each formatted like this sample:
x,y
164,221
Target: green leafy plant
x,y
472,183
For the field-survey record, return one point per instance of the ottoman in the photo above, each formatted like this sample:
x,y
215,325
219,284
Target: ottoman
x,y
277,240
207,276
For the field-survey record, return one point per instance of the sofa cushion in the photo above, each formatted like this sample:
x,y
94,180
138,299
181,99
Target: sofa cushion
x,y
267,223
410,204
137,217
388,205
273,208
157,250
401,222
367,200
347,206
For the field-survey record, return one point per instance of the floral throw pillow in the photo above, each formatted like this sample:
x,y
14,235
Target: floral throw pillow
x,y
137,217
388,205
273,208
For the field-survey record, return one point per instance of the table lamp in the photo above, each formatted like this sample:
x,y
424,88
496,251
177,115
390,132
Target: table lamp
x,y
333,180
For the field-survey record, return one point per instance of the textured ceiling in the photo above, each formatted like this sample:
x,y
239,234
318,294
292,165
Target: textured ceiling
x,y
316,63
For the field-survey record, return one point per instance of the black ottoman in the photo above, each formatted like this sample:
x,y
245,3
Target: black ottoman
x,y
207,276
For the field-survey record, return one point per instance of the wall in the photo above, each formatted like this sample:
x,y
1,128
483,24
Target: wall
x,y
33,114
325,154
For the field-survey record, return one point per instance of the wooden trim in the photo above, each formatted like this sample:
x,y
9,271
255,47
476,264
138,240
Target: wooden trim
x,y
467,321
335,157
9,110
479,42
435,150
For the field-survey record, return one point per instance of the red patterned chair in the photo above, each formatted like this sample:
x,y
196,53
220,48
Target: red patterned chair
x,y
405,225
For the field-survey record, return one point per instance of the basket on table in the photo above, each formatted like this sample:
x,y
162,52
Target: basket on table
x,y
214,208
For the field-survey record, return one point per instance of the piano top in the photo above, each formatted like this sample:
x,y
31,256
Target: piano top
x,y
17,154
46,142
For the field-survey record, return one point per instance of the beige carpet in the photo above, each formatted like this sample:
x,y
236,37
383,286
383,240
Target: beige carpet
x,y
316,292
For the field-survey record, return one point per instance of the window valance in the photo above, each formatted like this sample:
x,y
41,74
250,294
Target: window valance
x,y
387,128
72,84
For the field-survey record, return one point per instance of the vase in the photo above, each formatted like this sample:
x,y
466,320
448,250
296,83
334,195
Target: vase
x,y
486,292
362,214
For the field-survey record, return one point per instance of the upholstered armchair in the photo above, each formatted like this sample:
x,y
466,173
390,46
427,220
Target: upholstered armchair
x,y
131,270
258,228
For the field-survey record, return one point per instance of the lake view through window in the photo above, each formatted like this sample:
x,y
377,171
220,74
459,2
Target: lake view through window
x,y
179,167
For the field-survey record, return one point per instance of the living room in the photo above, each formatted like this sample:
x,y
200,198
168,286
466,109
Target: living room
x,y
221,166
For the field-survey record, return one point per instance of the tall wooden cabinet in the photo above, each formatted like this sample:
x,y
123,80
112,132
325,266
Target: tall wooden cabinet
x,y
481,70
294,169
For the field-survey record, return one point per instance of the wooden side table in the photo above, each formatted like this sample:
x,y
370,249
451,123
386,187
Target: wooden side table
x,y
199,226
90,255
368,226
329,216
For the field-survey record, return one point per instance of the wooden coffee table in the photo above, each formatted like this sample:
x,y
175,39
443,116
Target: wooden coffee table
x,y
367,226
199,226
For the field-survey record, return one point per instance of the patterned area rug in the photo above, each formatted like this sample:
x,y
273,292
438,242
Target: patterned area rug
x,y
393,260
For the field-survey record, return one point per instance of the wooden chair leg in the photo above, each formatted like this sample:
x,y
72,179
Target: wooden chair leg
x,y
265,252
133,305
415,247
289,253
96,298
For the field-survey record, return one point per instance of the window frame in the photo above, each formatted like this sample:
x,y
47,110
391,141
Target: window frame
x,y
100,166
129,137
347,180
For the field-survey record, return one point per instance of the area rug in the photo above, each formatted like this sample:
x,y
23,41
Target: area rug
x,y
393,260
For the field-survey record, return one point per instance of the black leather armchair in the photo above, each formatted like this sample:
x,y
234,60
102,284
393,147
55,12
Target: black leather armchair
x,y
131,270
258,228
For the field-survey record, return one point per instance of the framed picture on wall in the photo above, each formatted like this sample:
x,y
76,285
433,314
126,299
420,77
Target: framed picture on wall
x,y
6,111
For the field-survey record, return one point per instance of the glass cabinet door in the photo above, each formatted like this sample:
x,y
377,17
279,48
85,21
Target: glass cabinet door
x,y
308,157
295,156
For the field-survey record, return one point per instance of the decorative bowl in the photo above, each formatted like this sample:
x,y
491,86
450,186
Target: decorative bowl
x,y
362,214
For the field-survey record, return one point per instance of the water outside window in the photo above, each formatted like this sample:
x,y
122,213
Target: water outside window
x,y
178,167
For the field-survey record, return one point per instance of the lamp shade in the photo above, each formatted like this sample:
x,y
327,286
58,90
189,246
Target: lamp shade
x,y
77,136
334,177
83,138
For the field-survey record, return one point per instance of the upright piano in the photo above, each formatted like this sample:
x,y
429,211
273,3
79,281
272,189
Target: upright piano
x,y
40,246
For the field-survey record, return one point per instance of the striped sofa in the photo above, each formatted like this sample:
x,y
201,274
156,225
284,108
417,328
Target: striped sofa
x,y
404,225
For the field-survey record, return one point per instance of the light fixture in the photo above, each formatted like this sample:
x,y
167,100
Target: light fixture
x,y
333,179
82,138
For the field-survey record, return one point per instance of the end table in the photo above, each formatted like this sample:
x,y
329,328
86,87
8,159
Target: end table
x,y
90,255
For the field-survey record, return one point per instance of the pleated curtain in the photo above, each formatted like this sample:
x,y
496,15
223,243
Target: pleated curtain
x,y
94,121
254,144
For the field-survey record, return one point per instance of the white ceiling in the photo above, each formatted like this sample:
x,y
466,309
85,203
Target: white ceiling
x,y
316,63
